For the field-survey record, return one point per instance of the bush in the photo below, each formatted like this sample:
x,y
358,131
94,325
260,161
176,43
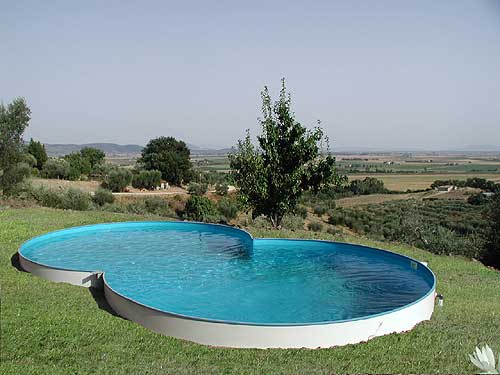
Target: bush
x,y
315,226
477,199
103,196
292,222
12,178
228,208
301,211
221,189
74,199
319,210
147,180
46,197
158,206
71,199
117,180
199,208
197,189
56,168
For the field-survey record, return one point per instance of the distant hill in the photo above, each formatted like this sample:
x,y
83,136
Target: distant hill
x,y
110,149
113,149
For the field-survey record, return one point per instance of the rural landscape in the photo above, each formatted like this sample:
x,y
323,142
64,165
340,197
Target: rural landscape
x,y
278,188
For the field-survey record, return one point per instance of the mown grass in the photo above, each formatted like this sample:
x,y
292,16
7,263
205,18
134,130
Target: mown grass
x,y
57,328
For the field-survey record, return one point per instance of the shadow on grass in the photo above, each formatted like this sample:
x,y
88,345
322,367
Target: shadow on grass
x,y
97,293
14,260
102,303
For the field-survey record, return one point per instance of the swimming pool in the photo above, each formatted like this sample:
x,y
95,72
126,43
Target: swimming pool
x,y
216,285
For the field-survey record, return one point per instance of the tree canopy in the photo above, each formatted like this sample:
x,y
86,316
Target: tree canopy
x,y
94,156
289,160
170,157
14,119
37,149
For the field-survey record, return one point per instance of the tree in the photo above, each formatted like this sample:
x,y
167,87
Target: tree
x,y
78,165
94,156
147,180
170,157
200,208
289,160
37,149
493,251
14,119
117,180
56,168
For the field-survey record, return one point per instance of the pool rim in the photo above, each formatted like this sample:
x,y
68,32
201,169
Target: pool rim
x,y
431,290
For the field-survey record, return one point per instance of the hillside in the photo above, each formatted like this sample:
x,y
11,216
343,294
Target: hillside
x,y
113,149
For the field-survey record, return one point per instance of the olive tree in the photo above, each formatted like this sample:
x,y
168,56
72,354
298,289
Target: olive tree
x,y
288,160
14,119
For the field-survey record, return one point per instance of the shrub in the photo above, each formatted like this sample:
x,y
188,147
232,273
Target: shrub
x,y
197,189
117,180
301,211
199,208
103,196
477,199
56,168
333,231
315,226
221,189
292,222
158,206
228,208
71,199
147,179
74,199
319,210
46,197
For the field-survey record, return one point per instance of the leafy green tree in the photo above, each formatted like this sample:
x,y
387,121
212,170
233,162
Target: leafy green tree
x,y
94,156
200,208
146,179
289,160
493,250
37,149
56,168
14,119
78,165
170,157
197,189
117,180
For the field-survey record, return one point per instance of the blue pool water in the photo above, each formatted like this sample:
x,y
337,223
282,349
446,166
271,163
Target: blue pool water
x,y
220,273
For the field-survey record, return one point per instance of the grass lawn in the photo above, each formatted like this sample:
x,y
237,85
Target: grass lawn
x,y
57,328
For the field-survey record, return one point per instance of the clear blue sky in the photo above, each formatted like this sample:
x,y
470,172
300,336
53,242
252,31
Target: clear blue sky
x,y
390,74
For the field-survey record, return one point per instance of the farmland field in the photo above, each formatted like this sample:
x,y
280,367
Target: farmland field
x,y
403,182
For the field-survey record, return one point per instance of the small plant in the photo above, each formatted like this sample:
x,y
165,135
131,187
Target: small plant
x,y
228,208
301,211
484,359
197,189
319,210
158,206
200,208
103,196
315,226
117,180
221,189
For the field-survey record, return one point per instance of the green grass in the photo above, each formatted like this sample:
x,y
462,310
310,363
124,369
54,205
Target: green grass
x,y
57,328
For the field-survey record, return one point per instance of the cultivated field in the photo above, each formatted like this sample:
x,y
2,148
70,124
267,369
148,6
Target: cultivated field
x,y
403,182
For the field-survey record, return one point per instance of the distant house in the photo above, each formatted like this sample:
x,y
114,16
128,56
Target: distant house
x,y
163,185
447,188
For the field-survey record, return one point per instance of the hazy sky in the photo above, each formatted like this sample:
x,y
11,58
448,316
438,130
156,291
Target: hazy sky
x,y
394,74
